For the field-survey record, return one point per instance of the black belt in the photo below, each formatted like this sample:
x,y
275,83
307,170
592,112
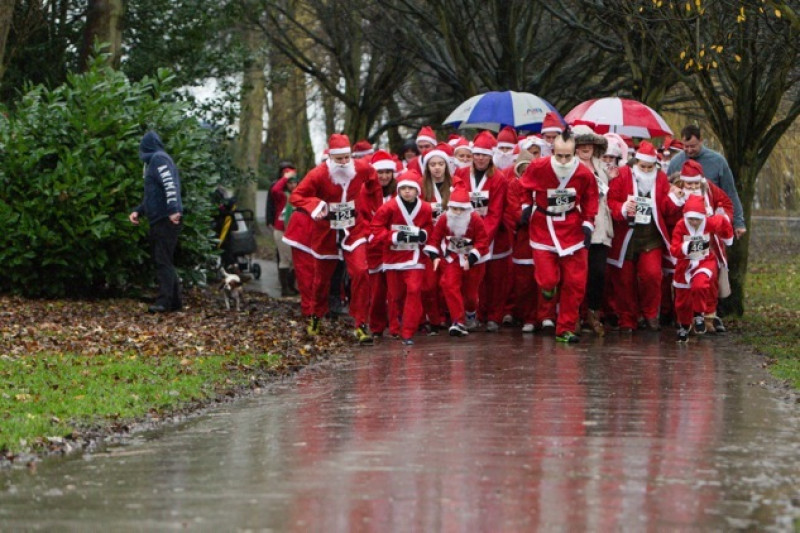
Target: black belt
x,y
551,214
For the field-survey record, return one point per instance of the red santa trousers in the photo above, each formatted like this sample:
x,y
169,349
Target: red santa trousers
x,y
461,288
304,274
569,274
378,307
356,262
694,300
494,290
638,288
405,284
431,294
525,294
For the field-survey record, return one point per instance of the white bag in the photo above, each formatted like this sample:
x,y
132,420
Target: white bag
x,y
724,282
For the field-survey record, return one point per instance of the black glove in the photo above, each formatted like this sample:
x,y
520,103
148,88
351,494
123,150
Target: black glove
x,y
433,255
587,236
423,236
526,216
472,259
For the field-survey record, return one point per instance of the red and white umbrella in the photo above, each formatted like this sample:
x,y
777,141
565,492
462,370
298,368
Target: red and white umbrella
x,y
620,115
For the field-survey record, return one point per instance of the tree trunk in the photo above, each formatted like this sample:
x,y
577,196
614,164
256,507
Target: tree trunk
x,y
288,136
6,15
251,119
738,253
103,25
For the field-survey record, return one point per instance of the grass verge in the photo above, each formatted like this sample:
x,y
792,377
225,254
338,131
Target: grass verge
x,y
771,323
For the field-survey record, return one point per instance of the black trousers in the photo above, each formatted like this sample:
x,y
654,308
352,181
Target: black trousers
x,y
596,280
164,239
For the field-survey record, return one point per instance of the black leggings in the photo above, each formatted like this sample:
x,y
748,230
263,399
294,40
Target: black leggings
x,y
596,280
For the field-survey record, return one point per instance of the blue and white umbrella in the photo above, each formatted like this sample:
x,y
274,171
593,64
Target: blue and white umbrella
x,y
494,110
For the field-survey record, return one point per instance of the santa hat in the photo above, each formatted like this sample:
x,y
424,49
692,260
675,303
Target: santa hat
x,y
325,155
535,140
507,138
462,144
338,144
676,145
552,124
426,135
459,198
362,148
524,157
695,207
585,135
484,143
410,178
442,150
646,152
616,146
692,171
453,139
382,160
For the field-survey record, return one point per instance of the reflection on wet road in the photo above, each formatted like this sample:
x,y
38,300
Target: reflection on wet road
x,y
488,433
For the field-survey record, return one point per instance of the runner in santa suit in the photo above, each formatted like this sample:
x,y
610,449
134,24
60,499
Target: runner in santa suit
x,y
487,188
639,203
462,153
696,269
504,154
561,225
552,127
426,141
329,193
459,240
693,182
377,190
402,227
436,183
298,236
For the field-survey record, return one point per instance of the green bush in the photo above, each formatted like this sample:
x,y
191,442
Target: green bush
x,y
70,175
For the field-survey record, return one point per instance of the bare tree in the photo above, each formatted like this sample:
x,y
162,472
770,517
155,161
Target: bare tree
x,y
6,16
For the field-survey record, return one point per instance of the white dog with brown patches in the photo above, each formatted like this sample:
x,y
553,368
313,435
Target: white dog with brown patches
x,y
232,286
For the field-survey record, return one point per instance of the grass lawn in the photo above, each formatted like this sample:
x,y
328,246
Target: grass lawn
x,y
771,323
74,370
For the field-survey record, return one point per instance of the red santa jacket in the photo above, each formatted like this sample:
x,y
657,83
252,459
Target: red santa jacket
x,y
491,207
277,195
663,208
517,199
298,233
692,248
388,221
562,207
715,198
317,192
371,199
446,244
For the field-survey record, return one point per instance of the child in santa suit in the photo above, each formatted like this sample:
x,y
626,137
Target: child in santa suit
x,y
487,186
638,199
460,238
426,141
696,269
379,189
402,227
693,182
329,193
566,202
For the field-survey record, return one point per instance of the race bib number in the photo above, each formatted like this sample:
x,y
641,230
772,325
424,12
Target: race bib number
x,y
436,207
699,246
644,209
561,200
342,215
480,202
459,245
405,246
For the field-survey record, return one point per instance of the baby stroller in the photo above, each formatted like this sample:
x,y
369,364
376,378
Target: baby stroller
x,y
235,235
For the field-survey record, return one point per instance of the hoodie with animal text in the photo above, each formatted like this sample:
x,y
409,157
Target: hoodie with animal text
x,y
162,184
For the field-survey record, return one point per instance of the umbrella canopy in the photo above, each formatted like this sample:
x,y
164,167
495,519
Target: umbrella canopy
x,y
494,110
620,115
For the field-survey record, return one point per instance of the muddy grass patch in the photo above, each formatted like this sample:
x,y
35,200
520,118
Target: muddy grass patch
x,y
73,373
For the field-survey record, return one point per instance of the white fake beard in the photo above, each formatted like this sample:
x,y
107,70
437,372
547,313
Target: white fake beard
x,y
503,160
458,224
341,174
609,167
693,192
563,170
462,164
644,181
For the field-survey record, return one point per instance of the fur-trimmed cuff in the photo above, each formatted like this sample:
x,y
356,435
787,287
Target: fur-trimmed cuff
x,y
476,253
728,242
322,207
431,249
678,201
394,237
589,225
685,248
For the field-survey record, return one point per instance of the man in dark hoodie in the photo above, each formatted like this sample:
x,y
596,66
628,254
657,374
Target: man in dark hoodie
x,y
163,209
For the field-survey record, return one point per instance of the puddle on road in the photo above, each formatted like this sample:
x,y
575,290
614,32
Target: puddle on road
x,y
499,433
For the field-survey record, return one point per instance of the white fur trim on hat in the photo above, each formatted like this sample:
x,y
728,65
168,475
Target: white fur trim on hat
x,y
552,129
434,153
692,179
646,158
484,151
385,164
425,138
408,183
694,214
339,151
363,153
506,145
462,205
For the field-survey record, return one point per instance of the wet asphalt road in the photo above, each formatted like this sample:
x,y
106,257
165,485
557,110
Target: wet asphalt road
x,y
489,433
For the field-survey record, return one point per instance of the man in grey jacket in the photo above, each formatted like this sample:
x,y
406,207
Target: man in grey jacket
x,y
715,169
163,209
